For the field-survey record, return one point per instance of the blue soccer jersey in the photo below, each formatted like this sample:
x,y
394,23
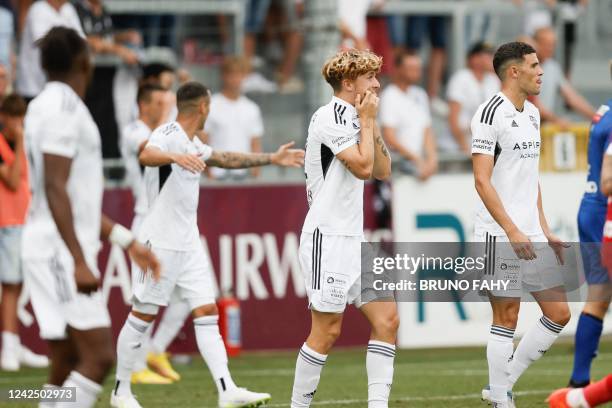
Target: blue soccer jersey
x,y
592,213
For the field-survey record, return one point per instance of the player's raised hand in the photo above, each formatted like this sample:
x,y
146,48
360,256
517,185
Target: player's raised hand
x,y
367,106
523,248
287,157
557,245
145,259
85,280
190,162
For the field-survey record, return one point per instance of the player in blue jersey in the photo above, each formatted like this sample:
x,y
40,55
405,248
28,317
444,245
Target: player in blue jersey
x,y
591,219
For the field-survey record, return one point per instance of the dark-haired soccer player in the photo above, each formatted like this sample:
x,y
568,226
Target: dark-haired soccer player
x,y
62,235
174,158
344,148
510,220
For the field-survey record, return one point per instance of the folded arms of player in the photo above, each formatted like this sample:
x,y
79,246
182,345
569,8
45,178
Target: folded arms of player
x,y
57,172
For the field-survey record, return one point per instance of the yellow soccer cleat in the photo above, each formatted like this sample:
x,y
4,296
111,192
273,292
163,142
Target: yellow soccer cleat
x,y
147,376
161,365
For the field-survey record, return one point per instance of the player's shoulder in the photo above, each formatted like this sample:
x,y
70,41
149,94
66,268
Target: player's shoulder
x,y
532,110
336,116
166,130
488,113
56,99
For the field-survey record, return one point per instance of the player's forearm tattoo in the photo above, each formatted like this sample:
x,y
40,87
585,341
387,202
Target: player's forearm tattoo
x,y
383,148
345,164
232,160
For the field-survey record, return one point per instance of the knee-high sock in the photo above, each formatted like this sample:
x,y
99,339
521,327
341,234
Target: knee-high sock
x,y
140,363
587,337
213,351
129,344
379,365
499,354
532,346
307,374
86,391
170,324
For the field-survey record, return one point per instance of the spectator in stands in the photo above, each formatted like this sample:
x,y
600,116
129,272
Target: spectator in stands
x,y
406,123
538,14
6,36
4,81
235,122
98,27
41,17
467,89
569,11
408,33
14,201
353,24
554,83
286,80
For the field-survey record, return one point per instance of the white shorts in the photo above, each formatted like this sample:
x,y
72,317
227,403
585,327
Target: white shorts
x,y
524,276
55,300
331,265
188,273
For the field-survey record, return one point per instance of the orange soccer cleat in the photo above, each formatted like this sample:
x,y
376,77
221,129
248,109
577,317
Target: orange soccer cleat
x,y
558,398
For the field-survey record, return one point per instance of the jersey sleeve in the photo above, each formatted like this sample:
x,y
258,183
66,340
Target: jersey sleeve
x,y
61,135
204,151
484,136
339,137
158,139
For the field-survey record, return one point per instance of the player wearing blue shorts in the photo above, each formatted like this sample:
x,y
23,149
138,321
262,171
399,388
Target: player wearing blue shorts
x,y
591,219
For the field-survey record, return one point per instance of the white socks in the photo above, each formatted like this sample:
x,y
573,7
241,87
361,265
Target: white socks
x,y
307,374
379,365
86,391
170,324
532,346
499,355
140,363
213,351
10,342
575,399
129,344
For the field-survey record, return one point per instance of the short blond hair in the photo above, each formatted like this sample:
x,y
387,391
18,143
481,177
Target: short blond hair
x,y
234,63
349,65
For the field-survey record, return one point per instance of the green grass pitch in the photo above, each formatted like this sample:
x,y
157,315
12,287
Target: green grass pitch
x,y
423,378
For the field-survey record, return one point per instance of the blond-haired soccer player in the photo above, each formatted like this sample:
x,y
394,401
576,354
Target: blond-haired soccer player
x,y
511,221
344,148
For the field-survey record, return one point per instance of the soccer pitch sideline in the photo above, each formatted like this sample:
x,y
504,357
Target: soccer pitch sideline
x,y
423,378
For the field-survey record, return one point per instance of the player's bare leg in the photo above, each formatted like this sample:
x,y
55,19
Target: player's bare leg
x,y
212,349
96,358
324,331
383,318
64,359
540,337
500,348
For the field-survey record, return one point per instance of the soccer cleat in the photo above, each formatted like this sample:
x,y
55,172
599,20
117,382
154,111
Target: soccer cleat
x,y
9,361
558,398
127,401
243,398
147,376
30,359
486,396
161,365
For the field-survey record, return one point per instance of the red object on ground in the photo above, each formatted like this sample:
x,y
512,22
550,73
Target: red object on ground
x,y
229,324
557,398
600,392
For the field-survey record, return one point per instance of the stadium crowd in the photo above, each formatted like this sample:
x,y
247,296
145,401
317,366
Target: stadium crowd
x,y
417,93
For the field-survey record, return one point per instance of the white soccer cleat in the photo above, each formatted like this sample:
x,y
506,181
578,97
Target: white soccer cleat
x,y
127,401
243,398
486,396
30,359
9,361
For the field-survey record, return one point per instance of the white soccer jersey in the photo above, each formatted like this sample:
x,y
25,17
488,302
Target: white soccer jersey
x,y
513,138
132,137
58,122
173,193
335,195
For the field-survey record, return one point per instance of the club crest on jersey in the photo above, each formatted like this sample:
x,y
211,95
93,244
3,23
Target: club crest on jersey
x,y
356,124
603,109
534,122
